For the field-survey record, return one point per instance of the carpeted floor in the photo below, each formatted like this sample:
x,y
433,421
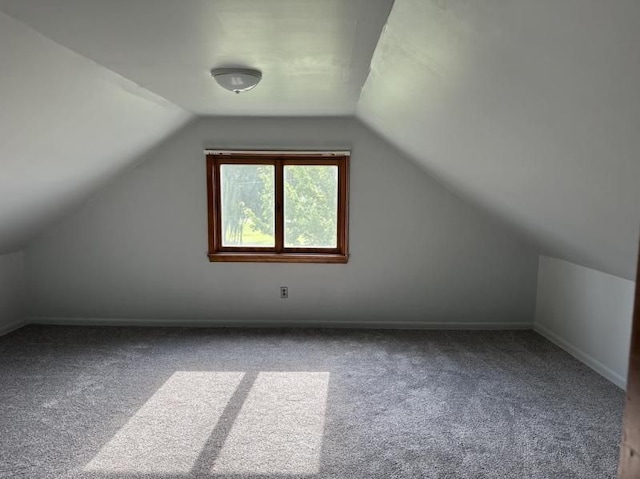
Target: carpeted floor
x,y
133,403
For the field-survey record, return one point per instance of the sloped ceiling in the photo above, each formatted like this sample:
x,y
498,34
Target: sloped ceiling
x,y
88,85
315,54
67,125
529,107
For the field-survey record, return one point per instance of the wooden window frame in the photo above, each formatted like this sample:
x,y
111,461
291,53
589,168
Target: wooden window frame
x,y
278,254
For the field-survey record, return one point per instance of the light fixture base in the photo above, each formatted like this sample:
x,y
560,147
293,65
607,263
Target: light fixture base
x,y
237,80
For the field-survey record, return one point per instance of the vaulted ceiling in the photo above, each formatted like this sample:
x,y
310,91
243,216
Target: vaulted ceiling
x,y
68,125
527,108
315,54
530,108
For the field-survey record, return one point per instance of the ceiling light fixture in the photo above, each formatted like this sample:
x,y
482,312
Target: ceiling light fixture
x,y
237,80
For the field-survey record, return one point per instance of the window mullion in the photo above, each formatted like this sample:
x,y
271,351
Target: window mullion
x,y
279,206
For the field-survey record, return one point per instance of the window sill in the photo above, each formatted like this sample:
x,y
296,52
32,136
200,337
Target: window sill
x,y
277,258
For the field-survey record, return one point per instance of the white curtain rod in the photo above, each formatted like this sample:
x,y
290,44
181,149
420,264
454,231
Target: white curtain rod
x,y
278,152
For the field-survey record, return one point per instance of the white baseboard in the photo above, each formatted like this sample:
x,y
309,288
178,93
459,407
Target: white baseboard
x,y
8,328
593,363
581,356
213,323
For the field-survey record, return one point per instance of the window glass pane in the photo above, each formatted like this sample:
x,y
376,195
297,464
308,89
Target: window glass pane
x,y
247,200
311,206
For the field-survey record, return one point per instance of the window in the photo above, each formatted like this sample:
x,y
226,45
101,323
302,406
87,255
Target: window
x,y
288,207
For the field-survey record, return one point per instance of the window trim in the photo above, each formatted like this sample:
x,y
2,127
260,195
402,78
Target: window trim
x,y
278,254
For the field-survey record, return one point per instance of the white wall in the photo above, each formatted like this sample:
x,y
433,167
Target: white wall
x,y
12,289
419,255
588,313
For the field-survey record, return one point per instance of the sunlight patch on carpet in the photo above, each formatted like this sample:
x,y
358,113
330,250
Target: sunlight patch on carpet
x,y
280,427
168,432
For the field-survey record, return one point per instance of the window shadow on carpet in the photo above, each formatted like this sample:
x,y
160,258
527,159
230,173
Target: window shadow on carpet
x,y
154,403
220,424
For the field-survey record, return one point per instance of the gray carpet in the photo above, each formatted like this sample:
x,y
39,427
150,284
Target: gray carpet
x,y
133,403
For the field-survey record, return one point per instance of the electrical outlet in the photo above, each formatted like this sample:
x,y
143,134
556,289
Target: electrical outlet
x,y
284,292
